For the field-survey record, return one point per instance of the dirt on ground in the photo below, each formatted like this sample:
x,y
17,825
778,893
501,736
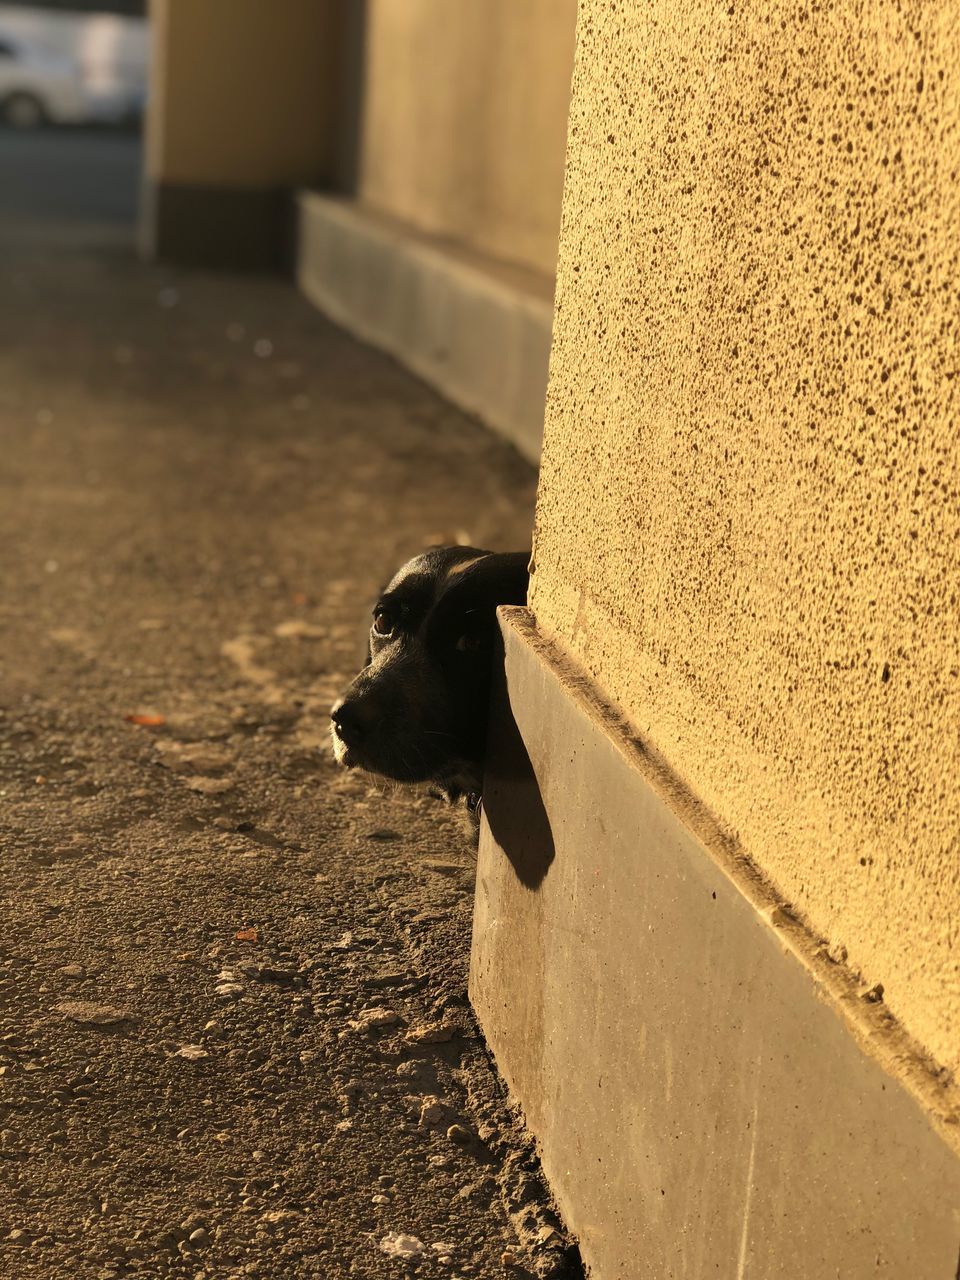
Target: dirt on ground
x,y
234,1033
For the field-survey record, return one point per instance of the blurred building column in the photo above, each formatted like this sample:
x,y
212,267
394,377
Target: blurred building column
x,y
440,245
241,110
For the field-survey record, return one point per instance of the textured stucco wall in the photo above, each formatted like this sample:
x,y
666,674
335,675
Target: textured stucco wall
x,y
464,119
749,518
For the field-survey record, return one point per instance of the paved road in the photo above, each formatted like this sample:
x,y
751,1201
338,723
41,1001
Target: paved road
x,y
68,187
202,484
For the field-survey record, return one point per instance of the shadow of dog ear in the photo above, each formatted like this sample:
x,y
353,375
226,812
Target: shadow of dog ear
x,y
512,804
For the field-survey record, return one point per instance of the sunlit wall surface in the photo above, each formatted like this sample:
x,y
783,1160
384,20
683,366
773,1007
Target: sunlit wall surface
x,y
748,516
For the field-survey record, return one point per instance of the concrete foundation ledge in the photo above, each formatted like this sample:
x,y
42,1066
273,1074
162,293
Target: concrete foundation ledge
x,y
476,329
712,1096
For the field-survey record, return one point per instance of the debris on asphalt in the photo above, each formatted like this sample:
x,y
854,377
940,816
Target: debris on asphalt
x,y
436,1033
200,758
192,1052
86,1014
210,786
375,1019
402,1246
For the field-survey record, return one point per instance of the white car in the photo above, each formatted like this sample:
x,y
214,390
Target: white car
x,y
39,87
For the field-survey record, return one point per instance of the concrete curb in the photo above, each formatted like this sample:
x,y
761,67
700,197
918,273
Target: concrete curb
x,y
477,330
711,1094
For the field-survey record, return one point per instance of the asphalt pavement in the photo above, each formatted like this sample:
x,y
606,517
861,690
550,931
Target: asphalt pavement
x,y
234,1033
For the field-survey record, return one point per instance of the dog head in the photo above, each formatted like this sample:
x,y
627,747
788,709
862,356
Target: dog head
x,y
417,712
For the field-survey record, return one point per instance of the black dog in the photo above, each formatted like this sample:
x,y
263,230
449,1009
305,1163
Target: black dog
x,y
417,712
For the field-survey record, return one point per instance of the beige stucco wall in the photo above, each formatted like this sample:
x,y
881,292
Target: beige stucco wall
x,y
242,93
464,120
749,518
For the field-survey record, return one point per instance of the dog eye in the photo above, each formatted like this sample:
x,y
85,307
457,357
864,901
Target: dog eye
x,y
468,643
383,624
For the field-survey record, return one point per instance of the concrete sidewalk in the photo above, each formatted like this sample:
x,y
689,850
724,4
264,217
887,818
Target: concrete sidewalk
x,y
234,1034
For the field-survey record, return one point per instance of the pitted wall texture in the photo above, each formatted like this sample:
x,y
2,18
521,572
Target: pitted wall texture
x,y
464,120
748,526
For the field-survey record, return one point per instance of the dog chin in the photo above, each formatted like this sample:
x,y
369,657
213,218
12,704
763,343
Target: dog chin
x,y
351,758
341,752
455,778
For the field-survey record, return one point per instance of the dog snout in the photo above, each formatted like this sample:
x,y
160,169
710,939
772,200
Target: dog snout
x,y
353,719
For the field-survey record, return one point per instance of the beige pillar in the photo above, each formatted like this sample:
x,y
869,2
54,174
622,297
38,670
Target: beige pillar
x,y
730,887
241,108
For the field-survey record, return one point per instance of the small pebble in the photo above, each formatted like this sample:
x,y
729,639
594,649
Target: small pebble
x,y
433,1110
549,1237
209,786
375,1019
437,1033
411,1070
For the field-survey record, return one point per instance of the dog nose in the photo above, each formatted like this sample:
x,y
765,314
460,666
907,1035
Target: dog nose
x,y
352,720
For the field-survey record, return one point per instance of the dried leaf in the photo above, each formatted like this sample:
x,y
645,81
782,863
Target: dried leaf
x,y
148,721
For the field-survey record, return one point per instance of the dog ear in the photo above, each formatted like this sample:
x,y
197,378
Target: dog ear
x,y
502,578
